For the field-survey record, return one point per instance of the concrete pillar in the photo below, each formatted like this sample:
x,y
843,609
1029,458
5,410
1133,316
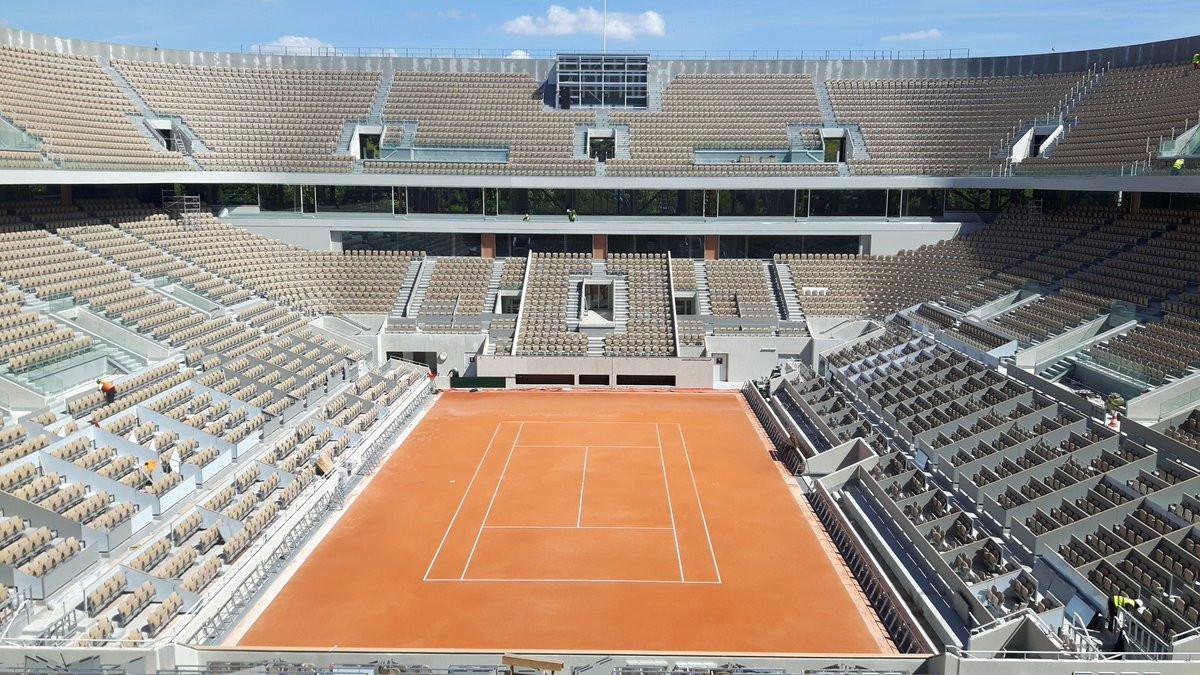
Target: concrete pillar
x,y
1134,201
335,240
599,246
487,245
712,244
64,194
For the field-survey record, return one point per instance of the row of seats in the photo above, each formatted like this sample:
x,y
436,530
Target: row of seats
x,y
650,328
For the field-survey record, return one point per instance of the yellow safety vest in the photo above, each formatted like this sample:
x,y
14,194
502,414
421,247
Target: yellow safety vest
x,y
1122,602
1179,164
1196,57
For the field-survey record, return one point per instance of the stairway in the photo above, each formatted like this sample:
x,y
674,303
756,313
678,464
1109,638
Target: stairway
x,y
620,304
347,135
493,292
703,303
406,289
422,285
595,345
828,117
147,112
381,94
786,288
858,143
1056,372
124,361
579,142
127,88
654,88
571,312
621,141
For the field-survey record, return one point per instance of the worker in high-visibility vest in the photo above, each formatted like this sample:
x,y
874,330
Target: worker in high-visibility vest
x,y
1196,61
1177,167
108,389
1118,604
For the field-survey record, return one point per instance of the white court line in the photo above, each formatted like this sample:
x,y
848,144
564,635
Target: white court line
x,y
687,456
670,507
462,501
492,501
576,527
577,581
582,485
593,445
585,421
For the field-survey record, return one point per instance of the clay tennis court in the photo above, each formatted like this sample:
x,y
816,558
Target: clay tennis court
x,y
574,521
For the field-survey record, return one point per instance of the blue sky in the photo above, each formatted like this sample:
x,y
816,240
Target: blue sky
x,y
986,28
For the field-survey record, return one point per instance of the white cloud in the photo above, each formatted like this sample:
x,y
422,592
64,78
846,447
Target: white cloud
x,y
927,34
559,20
518,54
299,44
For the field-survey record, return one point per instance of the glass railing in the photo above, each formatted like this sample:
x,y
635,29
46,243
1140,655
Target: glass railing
x,y
12,138
475,155
757,156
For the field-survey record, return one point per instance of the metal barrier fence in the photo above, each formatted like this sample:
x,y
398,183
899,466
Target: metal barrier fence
x,y
908,637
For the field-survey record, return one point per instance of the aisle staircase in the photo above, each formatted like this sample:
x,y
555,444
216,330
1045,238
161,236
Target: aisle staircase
x,y
786,289
406,289
421,286
385,88
828,116
703,299
493,292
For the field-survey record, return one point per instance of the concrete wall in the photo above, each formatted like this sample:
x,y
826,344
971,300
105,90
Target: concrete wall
x,y
690,373
753,357
459,349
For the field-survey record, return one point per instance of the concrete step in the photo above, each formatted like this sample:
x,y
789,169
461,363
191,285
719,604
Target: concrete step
x,y
381,94
493,291
828,117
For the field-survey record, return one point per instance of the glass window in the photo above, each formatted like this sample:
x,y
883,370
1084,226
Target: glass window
x,y
758,203
279,198
921,203
354,199
849,202
445,200
732,246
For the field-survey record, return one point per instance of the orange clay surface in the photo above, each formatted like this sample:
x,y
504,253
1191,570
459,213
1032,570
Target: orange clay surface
x,y
560,521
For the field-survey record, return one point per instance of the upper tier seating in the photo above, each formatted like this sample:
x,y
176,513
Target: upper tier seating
x,y
485,109
941,125
740,112
259,119
77,111
1127,108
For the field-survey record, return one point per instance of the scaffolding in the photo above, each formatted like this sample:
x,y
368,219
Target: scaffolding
x,y
180,204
